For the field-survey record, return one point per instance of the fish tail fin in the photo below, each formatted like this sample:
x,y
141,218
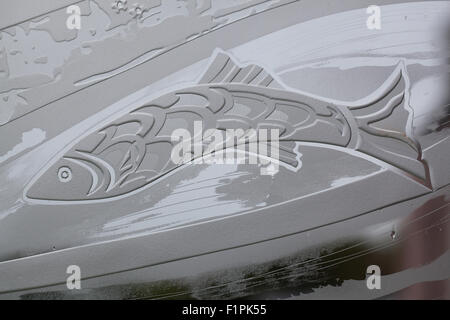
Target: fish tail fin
x,y
385,130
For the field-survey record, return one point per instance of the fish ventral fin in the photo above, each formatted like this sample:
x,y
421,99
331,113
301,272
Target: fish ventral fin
x,y
384,120
224,69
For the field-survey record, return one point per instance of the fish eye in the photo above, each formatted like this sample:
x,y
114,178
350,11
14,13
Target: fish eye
x,y
64,174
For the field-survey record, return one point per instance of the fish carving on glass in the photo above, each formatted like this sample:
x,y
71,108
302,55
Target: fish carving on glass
x,y
134,150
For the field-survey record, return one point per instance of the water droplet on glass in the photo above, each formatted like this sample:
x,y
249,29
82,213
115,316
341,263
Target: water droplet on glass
x,y
393,235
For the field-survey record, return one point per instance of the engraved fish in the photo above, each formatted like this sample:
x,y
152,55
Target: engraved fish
x,y
133,150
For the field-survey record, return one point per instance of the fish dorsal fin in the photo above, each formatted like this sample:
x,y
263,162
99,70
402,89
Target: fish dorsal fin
x,y
224,69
